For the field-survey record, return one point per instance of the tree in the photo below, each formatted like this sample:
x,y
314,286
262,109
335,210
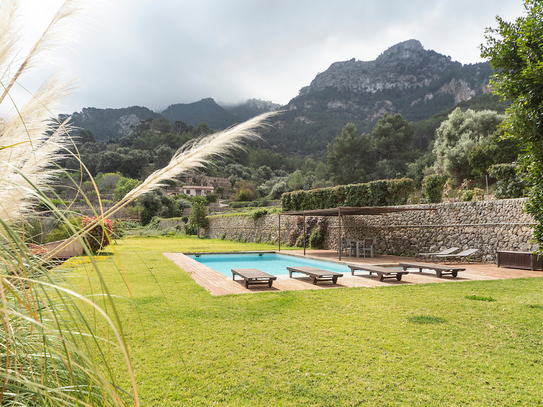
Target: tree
x,y
198,214
510,183
110,161
296,181
515,51
180,127
107,183
278,189
393,137
492,150
161,125
456,136
348,157
262,174
156,203
124,186
163,155
86,136
432,188
134,163
203,129
321,172
309,166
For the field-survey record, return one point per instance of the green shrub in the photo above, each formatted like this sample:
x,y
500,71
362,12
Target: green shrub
x,y
124,186
478,193
510,184
133,212
432,188
467,196
316,240
212,197
118,229
63,230
258,213
98,237
190,229
375,193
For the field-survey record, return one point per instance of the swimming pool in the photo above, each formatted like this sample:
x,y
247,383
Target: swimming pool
x,y
271,263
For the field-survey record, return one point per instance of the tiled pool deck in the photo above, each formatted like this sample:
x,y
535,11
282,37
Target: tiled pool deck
x,y
218,284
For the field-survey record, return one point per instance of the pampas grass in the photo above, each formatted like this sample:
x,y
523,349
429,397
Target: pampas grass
x,y
50,354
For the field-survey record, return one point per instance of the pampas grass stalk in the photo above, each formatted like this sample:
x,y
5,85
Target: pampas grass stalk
x,y
49,352
189,157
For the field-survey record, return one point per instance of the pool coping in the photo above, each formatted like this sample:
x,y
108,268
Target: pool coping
x,y
218,284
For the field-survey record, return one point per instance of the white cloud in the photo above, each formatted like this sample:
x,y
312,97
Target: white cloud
x,y
159,52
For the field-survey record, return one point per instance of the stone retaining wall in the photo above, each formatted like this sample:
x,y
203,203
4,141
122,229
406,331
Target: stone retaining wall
x,y
486,225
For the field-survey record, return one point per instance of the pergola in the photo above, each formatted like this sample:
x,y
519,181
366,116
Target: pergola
x,y
345,210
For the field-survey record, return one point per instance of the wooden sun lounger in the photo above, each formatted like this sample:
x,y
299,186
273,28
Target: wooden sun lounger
x,y
382,272
315,273
440,269
253,276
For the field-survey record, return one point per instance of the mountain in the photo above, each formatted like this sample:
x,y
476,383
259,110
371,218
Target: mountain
x,y
404,79
206,110
110,124
251,108
107,124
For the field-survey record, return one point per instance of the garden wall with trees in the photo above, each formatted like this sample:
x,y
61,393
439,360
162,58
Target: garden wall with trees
x,y
485,225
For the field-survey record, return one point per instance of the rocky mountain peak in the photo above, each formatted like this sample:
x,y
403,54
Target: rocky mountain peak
x,y
406,65
404,50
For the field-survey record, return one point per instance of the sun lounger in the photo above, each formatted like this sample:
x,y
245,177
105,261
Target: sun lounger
x,y
253,276
315,273
466,255
440,269
428,256
382,272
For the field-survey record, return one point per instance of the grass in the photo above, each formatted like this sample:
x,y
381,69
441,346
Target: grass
x,y
394,346
479,298
426,319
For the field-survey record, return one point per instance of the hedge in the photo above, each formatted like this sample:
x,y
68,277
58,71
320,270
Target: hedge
x,y
376,193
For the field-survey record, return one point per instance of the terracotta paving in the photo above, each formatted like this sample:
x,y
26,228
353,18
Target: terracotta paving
x,y
218,284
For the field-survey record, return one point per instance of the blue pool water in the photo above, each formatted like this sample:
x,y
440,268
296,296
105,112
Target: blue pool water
x,y
271,263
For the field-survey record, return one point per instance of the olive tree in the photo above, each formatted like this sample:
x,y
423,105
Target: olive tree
x,y
456,136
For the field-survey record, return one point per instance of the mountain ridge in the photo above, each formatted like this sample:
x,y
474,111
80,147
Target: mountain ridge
x,y
405,79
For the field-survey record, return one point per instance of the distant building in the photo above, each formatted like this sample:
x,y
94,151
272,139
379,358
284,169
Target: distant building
x,y
218,182
194,190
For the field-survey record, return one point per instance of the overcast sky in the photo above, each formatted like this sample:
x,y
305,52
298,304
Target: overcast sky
x,y
155,53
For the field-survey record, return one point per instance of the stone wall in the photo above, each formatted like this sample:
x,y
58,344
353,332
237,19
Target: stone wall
x,y
486,225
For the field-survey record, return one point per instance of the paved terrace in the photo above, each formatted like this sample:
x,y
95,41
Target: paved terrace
x,y
217,284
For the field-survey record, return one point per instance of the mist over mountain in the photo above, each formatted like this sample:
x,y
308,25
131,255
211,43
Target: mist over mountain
x,y
404,79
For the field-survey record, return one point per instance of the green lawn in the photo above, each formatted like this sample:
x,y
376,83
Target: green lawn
x,y
432,345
